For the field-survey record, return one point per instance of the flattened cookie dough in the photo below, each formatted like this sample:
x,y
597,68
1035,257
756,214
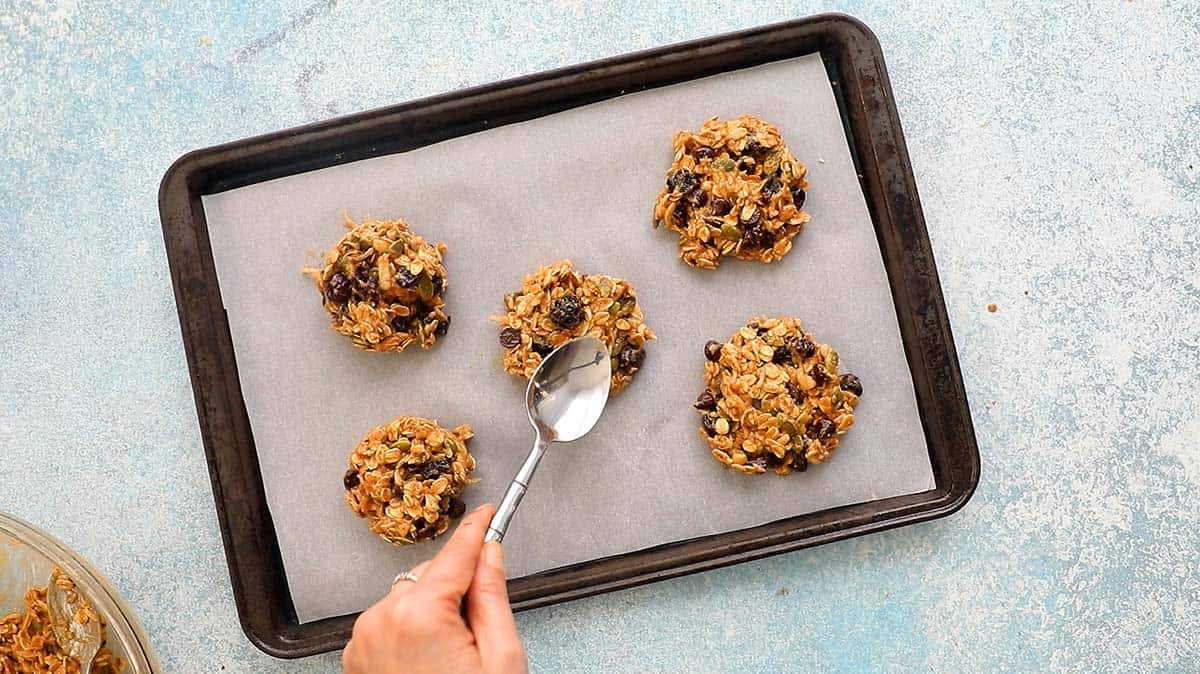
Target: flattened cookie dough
x,y
733,189
383,285
556,304
773,398
405,478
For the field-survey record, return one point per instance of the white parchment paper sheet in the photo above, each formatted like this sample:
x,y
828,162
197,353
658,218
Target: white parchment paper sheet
x,y
578,184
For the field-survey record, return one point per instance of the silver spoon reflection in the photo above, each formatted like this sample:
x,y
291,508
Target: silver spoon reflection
x,y
565,398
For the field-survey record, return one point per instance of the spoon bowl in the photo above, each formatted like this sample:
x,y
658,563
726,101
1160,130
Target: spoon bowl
x,y
81,640
565,398
569,390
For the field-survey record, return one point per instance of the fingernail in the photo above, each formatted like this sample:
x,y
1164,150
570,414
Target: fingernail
x,y
485,505
493,555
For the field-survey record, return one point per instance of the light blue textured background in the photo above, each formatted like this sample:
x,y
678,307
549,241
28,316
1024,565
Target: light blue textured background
x,y
1058,157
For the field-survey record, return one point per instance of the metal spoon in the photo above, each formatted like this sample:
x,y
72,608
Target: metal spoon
x,y
81,641
564,399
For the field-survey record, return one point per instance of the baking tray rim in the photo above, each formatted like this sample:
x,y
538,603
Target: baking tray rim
x,y
191,176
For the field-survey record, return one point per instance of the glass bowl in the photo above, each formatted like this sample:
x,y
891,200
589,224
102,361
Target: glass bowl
x,y
28,555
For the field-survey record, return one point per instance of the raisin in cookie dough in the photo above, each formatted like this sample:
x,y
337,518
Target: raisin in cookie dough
x,y
773,398
734,189
405,478
556,304
382,286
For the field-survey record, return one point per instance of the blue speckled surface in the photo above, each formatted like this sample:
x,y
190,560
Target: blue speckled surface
x,y
1058,158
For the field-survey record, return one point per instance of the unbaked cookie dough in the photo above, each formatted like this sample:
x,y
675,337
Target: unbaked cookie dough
x,y
27,639
735,189
556,304
383,285
405,478
773,398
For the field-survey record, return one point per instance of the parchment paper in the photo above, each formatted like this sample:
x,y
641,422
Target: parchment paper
x,y
578,184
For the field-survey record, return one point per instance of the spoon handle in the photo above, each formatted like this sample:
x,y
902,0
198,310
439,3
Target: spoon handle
x,y
516,491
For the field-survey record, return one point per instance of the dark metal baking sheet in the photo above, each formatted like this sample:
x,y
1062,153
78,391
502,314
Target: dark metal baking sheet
x,y
856,70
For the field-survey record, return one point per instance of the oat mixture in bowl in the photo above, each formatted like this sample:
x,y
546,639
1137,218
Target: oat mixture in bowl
x,y
774,399
382,285
27,639
406,476
734,189
30,562
557,304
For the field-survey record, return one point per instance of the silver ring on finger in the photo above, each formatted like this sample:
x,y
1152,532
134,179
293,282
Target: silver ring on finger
x,y
405,575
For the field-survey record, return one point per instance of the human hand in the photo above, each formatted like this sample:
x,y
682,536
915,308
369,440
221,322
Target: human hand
x,y
422,627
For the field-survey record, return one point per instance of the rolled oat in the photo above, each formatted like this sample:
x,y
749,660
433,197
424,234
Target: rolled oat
x,y
405,478
383,285
773,398
556,304
28,644
734,189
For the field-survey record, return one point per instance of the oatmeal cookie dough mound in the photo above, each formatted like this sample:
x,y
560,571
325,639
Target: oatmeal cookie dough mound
x,y
405,478
382,286
556,304
733,189
773,398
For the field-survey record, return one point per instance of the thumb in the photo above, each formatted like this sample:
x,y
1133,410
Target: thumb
x,y
490,616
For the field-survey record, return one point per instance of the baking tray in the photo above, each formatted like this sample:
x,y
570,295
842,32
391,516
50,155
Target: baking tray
x,y
855,66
